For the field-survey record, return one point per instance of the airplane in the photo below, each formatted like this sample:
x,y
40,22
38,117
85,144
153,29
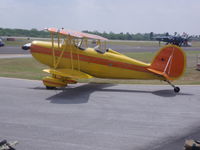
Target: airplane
x,y
70,58
179,40
4,145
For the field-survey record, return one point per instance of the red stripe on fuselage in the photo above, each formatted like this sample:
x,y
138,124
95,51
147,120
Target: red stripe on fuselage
x,y
97,60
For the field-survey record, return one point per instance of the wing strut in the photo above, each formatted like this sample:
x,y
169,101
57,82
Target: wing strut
x,y
53,49
61,54
56,60
71,53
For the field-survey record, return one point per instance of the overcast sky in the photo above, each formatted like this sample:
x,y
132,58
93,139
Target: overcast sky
x,y
133,16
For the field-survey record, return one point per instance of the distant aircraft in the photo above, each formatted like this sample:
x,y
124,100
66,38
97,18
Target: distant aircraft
x,y
179,40
70,59
4,145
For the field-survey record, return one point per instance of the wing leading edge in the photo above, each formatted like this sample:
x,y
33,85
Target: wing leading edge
x,y
76,34
69,73
65,76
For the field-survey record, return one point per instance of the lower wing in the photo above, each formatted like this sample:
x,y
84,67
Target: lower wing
x,y
69,73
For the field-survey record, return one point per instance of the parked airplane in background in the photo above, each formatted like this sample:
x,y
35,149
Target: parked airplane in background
x,y
179,40
70,58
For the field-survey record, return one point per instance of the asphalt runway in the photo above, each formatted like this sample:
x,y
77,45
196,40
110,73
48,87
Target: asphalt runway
x,y
12,50
119,48
98,116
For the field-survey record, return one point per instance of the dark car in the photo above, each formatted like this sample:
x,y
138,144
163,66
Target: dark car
x,y
1,43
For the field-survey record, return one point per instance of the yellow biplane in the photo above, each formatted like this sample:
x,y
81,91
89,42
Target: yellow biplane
x,y
70,58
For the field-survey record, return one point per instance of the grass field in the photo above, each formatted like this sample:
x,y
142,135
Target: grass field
x,y
29,68
25,68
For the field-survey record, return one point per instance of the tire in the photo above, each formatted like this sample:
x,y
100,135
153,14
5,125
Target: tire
x,y
176,89
50,88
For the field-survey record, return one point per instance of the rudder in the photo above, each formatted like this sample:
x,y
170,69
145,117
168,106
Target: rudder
x,y
169,62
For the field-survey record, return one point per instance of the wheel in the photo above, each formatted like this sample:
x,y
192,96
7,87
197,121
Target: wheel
x,y
176,89
50,88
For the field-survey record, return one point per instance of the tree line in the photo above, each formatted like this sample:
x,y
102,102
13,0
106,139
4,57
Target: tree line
x,y
23,33
125,36
110,35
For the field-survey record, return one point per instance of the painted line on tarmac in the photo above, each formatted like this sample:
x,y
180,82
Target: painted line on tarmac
x,y
17,79
15,55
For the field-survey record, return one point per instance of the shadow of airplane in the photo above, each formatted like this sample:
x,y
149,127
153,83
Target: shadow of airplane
x,y
78,94
82,93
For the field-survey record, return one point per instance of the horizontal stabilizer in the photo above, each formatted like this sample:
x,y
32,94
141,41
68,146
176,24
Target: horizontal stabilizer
x,y
159,73
74,74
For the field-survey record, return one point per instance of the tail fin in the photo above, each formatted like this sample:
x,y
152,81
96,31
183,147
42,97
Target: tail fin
x,y
169,62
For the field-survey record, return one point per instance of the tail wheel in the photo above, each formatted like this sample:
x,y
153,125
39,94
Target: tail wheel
x,y
176,89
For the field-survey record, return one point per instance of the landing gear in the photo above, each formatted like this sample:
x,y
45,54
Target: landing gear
x,y
50,88
53,83
176,88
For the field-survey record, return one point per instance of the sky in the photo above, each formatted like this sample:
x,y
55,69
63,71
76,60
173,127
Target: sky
x,y
133,16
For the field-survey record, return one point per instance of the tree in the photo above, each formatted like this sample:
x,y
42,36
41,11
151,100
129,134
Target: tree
x,y
151,35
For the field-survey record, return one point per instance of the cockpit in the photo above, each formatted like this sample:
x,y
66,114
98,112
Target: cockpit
x,y
97,45
80,40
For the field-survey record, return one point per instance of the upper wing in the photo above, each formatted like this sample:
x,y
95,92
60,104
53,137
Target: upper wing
x,y
73,74
76,34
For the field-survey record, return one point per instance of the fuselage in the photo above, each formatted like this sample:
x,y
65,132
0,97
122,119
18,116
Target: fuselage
x,y
109,64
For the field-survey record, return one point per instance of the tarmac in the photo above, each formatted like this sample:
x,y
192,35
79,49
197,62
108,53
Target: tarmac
x,y
98,116
12,50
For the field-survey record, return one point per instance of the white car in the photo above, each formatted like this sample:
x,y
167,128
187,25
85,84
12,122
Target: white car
x,y
1,43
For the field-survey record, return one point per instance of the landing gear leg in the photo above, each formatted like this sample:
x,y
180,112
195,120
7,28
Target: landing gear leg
x,y
176,88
